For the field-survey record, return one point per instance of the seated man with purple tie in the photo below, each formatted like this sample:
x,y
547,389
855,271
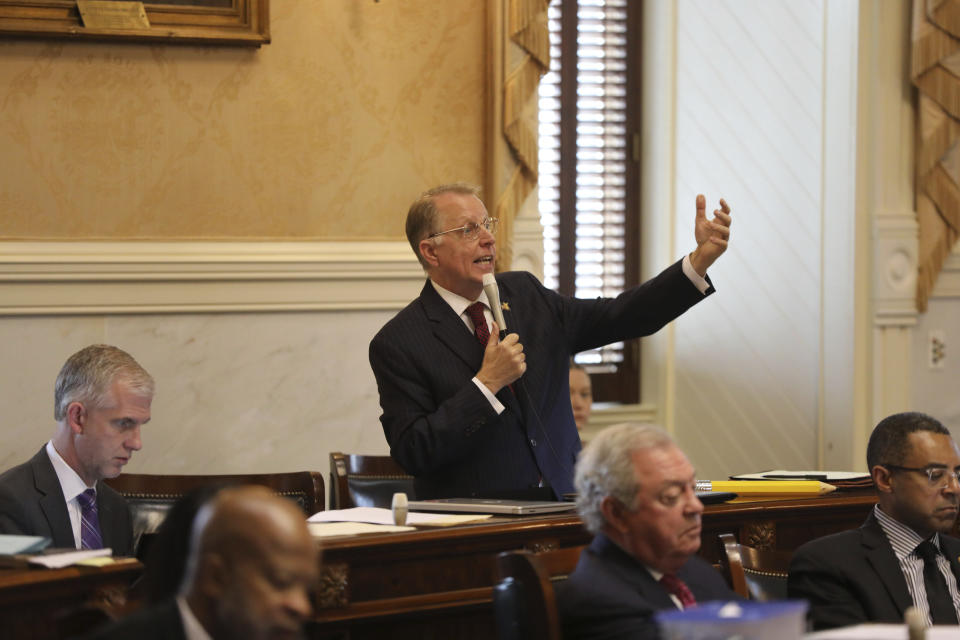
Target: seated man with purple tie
x,y
901,556
636,495
471,415
101,399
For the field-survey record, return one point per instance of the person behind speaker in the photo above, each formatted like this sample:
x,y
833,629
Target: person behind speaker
x,y
581,395
251,568
635,493
901,556
469,415
102,398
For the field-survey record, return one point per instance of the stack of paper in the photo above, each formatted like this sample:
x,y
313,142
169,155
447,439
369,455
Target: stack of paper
x,y
89,557
384,517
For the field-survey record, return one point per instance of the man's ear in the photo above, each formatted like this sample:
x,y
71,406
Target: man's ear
x,y
213,575
613,512
76,417
428,251
882,479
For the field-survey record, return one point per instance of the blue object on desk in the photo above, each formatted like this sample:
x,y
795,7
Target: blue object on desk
x,y
783,620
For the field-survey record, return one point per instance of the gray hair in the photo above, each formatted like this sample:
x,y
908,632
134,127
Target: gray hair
x,y
605,468
422,215
88,375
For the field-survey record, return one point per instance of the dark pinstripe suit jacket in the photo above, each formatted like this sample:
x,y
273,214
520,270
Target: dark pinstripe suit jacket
x,y
32,503
441,428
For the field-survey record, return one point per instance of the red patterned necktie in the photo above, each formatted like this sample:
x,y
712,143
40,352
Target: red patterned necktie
x,y
475,311
678,587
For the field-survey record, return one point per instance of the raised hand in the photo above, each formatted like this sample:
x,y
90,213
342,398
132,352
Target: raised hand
x,y
711,235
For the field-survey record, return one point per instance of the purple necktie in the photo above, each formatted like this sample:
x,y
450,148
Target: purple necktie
x,y
90,537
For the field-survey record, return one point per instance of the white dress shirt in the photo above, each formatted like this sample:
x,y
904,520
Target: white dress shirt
x,y
72,486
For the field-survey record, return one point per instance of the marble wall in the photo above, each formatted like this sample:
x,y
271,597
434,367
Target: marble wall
x,y
236,393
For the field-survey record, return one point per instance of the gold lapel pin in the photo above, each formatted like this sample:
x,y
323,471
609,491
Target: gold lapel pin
x,y
505,306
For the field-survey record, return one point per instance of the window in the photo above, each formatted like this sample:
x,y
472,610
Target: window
x,y
589,186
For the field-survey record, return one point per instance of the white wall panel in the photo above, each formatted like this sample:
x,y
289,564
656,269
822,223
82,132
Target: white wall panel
x,y
749,128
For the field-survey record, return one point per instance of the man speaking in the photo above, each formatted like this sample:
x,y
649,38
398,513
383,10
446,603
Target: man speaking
x,y
469,414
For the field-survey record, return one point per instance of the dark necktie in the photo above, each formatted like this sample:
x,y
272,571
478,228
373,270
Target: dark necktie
x,y
679,588
90,537
942,610
475,311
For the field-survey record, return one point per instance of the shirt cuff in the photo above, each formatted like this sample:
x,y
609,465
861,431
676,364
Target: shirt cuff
x,y
693,276
492,399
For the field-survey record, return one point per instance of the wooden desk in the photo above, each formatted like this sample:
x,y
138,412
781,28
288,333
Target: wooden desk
x,y
438,583
32,601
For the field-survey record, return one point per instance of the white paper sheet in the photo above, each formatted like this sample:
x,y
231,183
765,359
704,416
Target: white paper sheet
x,y
823,476
882,632
376,515
331,529
65,559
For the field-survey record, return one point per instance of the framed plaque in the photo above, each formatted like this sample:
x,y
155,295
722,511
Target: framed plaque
x,y
228,22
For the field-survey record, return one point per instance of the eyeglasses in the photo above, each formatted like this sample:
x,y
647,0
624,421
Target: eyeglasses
x,y
471,230
938,476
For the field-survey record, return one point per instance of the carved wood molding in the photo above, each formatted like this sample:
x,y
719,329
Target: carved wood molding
x,y
760,535
333,590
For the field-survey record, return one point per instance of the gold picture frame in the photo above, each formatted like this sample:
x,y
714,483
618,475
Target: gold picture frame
x,y
228,22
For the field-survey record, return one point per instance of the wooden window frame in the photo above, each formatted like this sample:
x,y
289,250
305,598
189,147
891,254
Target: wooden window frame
x,y
623,386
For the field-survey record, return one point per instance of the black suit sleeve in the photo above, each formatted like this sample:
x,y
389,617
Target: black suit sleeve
x,y
11,514
814,577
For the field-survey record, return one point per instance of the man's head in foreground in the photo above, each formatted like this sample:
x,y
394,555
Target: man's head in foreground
x,y
637,487
252,566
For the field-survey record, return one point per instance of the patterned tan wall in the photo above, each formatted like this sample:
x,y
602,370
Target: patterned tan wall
x,y
327,132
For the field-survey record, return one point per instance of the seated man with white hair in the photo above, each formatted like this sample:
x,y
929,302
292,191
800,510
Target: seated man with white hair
x,y
636,495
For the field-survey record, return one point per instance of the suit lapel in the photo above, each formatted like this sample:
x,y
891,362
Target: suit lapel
x,y
953,555
631,572
884,561
105,515
52,503
450,329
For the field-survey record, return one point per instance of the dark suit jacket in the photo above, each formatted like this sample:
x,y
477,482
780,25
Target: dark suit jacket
x,y
854,577
160,622
611,595
32,503
441,428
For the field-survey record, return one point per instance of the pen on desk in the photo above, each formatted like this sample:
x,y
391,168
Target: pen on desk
x,y
766,487
787,476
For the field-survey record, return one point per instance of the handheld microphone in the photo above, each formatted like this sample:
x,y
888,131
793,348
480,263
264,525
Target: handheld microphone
x,y
493,297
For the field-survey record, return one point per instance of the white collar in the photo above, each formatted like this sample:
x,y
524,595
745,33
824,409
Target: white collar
x,y
457,302
71,483
192,628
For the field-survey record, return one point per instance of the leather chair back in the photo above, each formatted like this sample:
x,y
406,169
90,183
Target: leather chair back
x,y
358,480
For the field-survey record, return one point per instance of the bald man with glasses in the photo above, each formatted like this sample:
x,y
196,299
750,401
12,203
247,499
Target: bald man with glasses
x,y
901,556
469,414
